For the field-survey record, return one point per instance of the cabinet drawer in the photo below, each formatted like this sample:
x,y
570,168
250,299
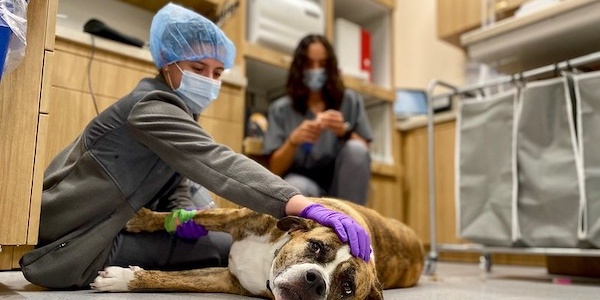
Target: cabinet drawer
x,y
108,79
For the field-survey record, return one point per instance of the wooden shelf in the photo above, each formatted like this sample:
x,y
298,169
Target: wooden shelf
x,y
281,60
369,9
268,56
207,8
387,3
369,90
384,169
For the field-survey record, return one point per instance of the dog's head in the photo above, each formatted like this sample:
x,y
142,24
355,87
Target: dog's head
x,y
316,265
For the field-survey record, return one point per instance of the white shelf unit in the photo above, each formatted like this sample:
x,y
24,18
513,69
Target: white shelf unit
x,y
374,17
266,68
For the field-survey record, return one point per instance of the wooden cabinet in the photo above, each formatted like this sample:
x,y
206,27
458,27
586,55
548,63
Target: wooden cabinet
x,y
455,17
23,127
72,104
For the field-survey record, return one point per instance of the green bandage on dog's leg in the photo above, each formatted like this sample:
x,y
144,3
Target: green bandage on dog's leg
x,y
177,217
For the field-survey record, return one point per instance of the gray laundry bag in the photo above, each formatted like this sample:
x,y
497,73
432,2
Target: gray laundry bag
x,y
550,190
486,180
587,89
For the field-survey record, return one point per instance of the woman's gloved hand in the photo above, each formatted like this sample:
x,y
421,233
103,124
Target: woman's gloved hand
x,y
347,229
181,222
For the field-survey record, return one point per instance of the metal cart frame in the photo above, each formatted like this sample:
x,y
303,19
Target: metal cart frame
x,y
486,252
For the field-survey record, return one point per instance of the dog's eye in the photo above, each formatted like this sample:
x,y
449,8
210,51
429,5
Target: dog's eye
x,y
347,288
314,247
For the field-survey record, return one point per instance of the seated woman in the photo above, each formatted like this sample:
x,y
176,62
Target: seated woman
x,y
318,134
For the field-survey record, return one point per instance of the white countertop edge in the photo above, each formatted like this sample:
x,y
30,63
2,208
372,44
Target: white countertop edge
x,y
421,121
517,22
232,77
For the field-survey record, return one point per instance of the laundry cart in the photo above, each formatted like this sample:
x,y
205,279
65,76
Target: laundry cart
x,y
527,163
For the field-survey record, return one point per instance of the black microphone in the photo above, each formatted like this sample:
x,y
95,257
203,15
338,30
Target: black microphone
x,y
100,29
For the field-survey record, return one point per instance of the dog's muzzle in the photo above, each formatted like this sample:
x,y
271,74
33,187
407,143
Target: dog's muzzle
x,y
310,286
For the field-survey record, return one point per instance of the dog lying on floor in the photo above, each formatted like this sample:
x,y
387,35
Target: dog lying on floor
x,y
290,258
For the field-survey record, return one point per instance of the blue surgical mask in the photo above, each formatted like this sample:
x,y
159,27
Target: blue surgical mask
x,y
315,78
198,91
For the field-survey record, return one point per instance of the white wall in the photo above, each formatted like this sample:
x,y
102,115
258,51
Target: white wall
x,y
418,53
125,18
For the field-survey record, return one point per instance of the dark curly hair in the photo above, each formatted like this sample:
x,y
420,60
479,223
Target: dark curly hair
x,y
333,90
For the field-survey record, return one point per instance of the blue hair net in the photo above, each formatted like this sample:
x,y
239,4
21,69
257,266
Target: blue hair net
x,y
177,33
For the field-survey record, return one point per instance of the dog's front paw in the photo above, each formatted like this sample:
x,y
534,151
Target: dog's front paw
x,y
144,220
114,279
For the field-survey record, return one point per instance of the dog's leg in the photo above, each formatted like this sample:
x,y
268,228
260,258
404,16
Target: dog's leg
x,y
147,220
230,220
209,280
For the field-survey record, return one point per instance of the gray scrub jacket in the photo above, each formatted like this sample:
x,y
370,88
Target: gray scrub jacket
x,y
134,152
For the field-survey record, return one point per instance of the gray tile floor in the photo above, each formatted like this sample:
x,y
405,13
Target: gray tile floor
x,y
451,281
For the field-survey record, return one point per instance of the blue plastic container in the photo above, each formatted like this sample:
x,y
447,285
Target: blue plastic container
x,y
5,33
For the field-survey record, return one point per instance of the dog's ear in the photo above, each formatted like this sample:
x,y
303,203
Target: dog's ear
x,y
291,223
376,292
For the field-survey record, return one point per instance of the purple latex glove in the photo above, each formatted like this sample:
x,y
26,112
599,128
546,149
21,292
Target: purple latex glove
x,y
181,221
347,229
190,230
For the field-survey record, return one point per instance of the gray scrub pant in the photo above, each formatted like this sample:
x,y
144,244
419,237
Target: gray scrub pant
x,y
163,251
351,176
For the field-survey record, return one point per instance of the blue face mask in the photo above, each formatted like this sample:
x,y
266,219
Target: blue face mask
x,y
315,78
198,91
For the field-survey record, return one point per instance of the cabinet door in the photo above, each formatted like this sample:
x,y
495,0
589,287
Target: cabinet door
x,y
19,115
417,182
71,110
10,256
455,17
70,103
224,132
385,197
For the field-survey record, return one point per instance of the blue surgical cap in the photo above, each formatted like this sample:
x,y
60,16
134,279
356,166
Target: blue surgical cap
x,y
178,33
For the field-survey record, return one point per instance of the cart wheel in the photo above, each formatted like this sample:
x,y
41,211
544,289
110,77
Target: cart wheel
x,y
430,264
485,262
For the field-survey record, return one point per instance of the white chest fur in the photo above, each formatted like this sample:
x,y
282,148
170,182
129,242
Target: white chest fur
x,y
250,261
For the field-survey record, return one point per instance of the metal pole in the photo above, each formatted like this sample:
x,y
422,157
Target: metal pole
x,y
433,253
564,65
